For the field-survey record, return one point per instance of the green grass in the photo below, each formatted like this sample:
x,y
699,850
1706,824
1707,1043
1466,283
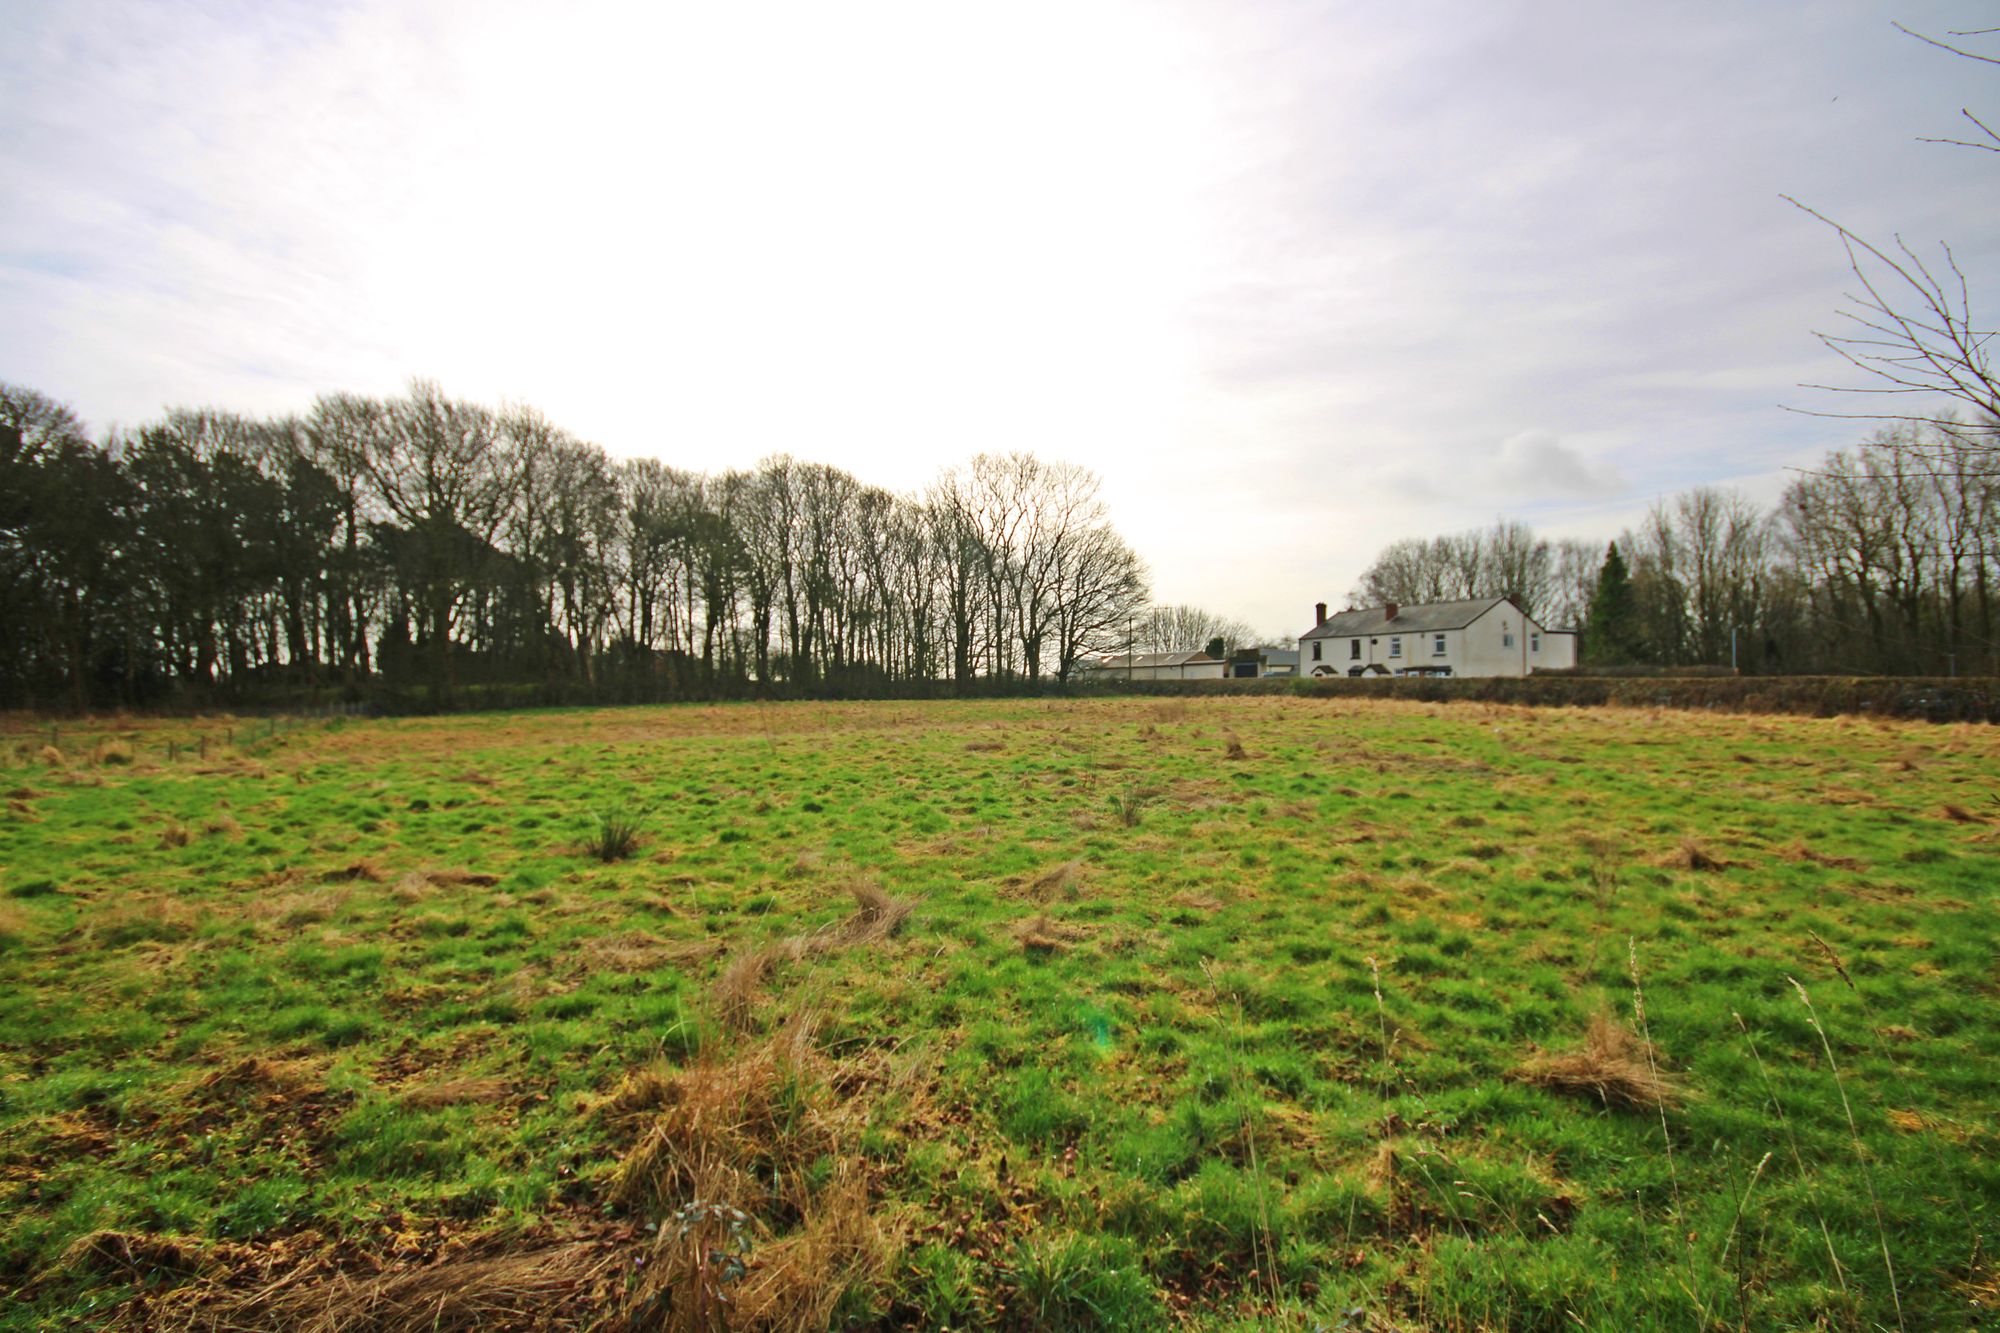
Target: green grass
x,y
1167,1039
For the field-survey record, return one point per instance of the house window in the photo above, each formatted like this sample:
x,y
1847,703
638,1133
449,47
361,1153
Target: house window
x,y
1315,650
1395,647
1354,650
1437,648
1506,634
1534,643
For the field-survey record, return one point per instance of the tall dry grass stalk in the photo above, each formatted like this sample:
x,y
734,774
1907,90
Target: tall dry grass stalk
x,y
1382,1023
1232,1035
1972,1227
1798,1162
1666,1134
1860,1149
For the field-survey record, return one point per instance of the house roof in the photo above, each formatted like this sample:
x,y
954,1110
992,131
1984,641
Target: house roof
x,y
1119,662
1409,619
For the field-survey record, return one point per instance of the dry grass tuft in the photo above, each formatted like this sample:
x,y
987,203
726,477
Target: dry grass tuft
x,y
1235,750
455,1092
630,952
364,869
795,1284
473,878
503,1290
1057,881
763,1132
742,980
131,1254
985,747
111,754
14,924
1043,935
140,919
176,834
256,1073
1958,814
51,756
877,916
1611,1066
1798,851
25,794
1382,1167
1691,855
306,908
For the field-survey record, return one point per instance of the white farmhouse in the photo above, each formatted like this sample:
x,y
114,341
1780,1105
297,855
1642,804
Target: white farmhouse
x,y
1152,666
1487,637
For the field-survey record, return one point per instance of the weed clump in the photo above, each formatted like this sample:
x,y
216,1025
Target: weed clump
x,y
616,836
112,754
1131,806
1611,1065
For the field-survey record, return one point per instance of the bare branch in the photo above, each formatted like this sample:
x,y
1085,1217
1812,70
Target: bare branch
x,y
1947,46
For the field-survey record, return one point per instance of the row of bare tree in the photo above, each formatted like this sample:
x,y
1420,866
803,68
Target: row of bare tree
x,y
1883,559
429,542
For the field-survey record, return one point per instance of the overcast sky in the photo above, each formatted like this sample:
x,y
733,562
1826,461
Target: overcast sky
x,y
1296,279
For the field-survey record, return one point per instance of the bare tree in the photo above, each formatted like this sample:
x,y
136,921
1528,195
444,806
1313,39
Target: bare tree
x,y
1188,629
1909,327
441,470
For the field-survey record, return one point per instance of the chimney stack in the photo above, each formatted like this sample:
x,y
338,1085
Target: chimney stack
x,y
1319,614
1392,609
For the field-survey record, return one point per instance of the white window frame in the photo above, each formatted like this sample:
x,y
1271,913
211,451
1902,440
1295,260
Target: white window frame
x,y
1354,650
1534,643
1437,645
1395,645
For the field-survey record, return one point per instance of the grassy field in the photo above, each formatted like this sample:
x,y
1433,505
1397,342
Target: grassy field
x,y
1115,1014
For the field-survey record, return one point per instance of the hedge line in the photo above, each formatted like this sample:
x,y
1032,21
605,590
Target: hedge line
x,y
1930,698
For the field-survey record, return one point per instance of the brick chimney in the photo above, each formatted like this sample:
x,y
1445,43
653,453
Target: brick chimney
x,y
1390,611
1319,614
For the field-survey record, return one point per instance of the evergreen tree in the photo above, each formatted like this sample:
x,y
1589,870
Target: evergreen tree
x,y
1610,635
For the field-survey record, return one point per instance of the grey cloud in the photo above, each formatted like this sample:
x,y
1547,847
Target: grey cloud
x,y
1536,463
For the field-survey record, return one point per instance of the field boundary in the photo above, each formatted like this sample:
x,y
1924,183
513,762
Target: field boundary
x,y
1918,698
